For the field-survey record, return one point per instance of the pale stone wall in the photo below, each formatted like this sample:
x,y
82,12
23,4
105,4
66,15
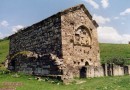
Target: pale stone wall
x,y
129,69
79,52
94,71
99,71
118,70
79,40
90,71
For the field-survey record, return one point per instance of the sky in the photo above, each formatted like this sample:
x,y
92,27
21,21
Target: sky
x,y
113,16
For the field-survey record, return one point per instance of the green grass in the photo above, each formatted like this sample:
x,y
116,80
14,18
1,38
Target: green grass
x,y
4,48
114,50
100,83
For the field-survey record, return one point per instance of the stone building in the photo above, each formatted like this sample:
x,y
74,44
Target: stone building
x,y
63,45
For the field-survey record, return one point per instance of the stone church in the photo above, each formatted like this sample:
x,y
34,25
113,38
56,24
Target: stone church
x,y
63,45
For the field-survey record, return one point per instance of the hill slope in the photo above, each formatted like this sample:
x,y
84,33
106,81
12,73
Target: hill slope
x,y
4,48
114,50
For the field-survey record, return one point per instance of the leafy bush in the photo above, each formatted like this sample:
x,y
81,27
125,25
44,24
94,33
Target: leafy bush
x,y
116,60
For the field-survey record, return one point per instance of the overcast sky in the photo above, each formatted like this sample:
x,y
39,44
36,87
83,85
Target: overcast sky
x,y
113,16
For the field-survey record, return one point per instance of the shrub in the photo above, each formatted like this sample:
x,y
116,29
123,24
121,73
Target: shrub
x,y
116,60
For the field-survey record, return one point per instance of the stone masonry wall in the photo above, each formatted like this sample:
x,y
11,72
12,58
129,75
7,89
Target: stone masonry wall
x,y
43,66
41,39
79,39
63,44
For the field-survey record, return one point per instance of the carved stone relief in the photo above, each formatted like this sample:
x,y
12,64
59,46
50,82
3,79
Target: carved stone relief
x,y
82,36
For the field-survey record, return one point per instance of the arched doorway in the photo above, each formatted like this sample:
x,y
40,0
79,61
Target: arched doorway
x,y
83,70
83,73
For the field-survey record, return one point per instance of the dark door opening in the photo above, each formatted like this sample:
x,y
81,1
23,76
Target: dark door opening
x,y
126,70
83,73
13,65
110,69
104,70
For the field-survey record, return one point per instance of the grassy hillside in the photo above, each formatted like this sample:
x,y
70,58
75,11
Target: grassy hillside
x,y
4,48
25,82
114,50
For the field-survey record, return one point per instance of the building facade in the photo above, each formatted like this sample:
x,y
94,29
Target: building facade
x,y
62,45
